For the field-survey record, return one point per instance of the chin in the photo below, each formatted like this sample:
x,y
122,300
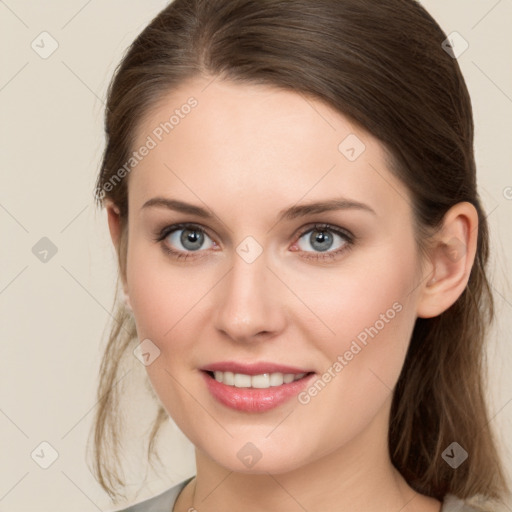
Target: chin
x,y
259,456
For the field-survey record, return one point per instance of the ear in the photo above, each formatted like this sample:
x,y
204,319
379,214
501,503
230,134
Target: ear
x,y
114,222
114,226
451,258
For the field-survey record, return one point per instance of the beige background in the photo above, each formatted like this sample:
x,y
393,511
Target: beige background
x,y
53,314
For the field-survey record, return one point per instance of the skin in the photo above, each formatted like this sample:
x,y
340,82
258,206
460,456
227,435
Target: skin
x,y
245,153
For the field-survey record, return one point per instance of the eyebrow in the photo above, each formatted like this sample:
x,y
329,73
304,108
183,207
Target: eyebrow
x,y
290,213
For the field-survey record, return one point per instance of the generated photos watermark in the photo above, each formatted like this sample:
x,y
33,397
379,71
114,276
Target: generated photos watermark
x,y
357,345
152,141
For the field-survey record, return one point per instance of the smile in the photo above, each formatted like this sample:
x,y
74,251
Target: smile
x,y
254,393
261,381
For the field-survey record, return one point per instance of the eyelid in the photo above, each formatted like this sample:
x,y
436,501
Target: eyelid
x,y
170,228
327,227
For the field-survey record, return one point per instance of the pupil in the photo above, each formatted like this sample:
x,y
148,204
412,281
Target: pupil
x,y
192,237
319,238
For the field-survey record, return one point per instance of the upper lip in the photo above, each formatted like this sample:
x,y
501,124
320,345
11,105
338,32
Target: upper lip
x,y
252,368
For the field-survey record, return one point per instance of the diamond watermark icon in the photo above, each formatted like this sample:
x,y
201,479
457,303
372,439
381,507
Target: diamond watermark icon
x,y
146,352
249,249
44,250
455,45
44,455
44,45
351,147
249,454
455,249
454,455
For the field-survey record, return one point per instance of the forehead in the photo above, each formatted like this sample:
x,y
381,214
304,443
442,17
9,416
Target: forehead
x,y
248,141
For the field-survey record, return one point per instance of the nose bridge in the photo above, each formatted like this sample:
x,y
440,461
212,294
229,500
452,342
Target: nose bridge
x,y
248,300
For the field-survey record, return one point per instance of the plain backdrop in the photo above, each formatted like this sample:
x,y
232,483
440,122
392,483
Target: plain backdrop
x,y
53,313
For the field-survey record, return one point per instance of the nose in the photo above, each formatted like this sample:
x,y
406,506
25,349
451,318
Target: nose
x,y
250,302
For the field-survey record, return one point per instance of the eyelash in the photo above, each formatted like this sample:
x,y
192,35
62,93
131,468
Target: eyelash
x,y
348,238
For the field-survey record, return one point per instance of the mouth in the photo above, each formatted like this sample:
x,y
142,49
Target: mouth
x,y
254,392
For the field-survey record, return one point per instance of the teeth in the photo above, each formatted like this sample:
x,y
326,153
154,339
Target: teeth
x,y
262,381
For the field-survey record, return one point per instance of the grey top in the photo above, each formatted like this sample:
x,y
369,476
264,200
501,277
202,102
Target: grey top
x,y
165,501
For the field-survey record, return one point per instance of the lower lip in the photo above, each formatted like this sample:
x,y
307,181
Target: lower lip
x,y
254,399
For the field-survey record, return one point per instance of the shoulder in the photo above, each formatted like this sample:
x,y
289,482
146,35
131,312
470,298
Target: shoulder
x,y
163,502
476,504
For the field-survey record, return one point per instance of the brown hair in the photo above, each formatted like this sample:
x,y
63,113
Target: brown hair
x,y
381,64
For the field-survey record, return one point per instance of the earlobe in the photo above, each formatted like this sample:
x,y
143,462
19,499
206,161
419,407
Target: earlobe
x,y
126,300
452,256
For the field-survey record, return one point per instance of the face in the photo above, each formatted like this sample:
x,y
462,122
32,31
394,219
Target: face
x,y
256,277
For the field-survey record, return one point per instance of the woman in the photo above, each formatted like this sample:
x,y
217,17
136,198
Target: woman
x,y
291,192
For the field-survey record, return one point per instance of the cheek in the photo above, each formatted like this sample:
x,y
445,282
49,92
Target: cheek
x,y
372,292
369,311
373,346
161,294
161,297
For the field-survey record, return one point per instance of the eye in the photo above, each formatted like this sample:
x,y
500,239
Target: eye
x,y
323,238
181,239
